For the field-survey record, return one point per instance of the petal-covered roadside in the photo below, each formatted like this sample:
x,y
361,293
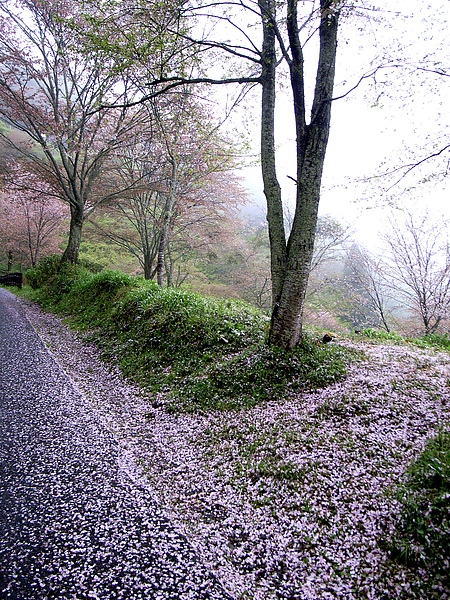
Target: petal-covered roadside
x,y
289,499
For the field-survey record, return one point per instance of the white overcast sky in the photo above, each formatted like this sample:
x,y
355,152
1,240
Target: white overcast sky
x,y
411,118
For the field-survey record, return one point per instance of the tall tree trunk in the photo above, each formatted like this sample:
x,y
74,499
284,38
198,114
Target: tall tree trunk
x,y
272,190
169,270
148,265
286,324
167,216
33,249
76,225
147,251
161,254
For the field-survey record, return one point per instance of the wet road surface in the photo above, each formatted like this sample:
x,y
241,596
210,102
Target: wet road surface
x,y
73,525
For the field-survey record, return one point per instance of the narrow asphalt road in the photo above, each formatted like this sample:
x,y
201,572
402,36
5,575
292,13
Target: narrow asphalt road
x,y
73,525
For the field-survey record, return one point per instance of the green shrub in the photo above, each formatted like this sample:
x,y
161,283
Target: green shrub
x,y
179,323
422,537
56,293
93,267
264,373
209,352
382,335
435,340
160,334
91,297
40,274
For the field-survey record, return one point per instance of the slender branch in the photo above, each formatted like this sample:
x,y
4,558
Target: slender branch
x,y
363,78
410,168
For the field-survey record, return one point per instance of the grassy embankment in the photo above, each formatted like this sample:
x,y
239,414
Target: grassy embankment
x,y
200,354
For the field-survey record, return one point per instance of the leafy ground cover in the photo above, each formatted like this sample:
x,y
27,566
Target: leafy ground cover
x,y
422,535
194,352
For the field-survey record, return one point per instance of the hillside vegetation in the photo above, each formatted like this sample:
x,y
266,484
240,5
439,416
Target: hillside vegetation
x,y
194,352
330,472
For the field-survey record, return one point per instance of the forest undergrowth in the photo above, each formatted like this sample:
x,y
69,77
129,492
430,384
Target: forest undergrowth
x,y
322,473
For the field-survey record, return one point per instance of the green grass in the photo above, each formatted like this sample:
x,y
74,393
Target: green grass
x,y
435,340
15,268
201,353
422,536
263,373
380,335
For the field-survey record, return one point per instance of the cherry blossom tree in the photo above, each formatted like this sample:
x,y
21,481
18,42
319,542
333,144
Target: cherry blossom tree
x,y
254,44
32,216
367,288
54,94
179,186
193,157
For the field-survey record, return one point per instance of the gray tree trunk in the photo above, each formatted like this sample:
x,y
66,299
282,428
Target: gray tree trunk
x,y
272,190
165,228
291,262
76,225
